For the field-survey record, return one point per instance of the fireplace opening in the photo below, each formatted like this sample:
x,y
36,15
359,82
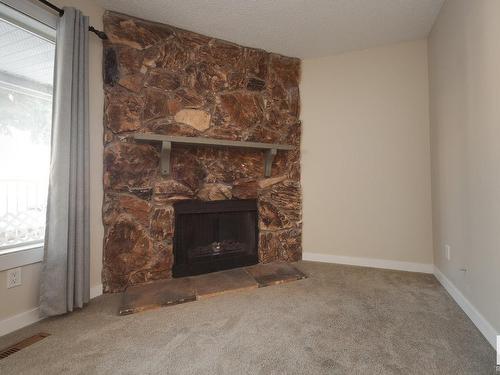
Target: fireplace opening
x,y
214,236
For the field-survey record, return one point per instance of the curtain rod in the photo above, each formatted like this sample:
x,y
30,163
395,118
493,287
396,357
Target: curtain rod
x,y
101,34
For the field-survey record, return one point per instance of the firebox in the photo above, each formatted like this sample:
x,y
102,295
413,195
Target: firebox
x,y
214,236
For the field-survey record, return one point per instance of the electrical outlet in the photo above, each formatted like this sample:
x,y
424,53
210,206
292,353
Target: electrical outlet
x,y
447,252
13,277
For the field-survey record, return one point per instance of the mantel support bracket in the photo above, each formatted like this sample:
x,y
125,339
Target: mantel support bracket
x,y
166,147
271,149
270,154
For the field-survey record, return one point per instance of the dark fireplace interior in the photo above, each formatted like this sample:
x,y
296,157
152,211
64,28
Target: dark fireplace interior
x,y
214,236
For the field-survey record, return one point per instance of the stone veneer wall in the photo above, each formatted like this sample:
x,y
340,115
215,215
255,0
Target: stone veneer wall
x,y
164,80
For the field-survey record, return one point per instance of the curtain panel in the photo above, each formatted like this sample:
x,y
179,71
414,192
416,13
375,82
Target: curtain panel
x,y
65,282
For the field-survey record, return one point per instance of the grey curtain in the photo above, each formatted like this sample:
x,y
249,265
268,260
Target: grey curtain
x,y
65,276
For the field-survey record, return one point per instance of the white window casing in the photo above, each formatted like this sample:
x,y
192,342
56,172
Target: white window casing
x,y
43,23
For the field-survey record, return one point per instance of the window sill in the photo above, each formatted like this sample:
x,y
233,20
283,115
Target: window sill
x,y
21,256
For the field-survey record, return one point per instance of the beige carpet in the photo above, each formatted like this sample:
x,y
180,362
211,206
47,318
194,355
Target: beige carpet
x,y
341,320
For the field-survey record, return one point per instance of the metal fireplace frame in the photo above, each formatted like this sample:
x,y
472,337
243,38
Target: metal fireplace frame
x,y
182,267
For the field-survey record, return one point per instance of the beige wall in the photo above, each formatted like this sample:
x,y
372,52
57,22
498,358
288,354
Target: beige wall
x,y
464,68
365,154
23,298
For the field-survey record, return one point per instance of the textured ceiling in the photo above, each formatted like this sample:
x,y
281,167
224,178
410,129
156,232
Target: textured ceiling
x,y
301,28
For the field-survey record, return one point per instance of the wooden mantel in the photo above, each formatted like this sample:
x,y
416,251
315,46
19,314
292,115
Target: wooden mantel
x,y
167,141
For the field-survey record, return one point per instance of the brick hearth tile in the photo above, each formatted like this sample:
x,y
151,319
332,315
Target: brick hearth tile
x,y
159,293
274,273
215,283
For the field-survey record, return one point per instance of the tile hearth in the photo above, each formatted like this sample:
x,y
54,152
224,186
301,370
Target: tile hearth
x,y
187,289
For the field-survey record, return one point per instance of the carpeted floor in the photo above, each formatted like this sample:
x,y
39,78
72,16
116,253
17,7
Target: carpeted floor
x,y
341,320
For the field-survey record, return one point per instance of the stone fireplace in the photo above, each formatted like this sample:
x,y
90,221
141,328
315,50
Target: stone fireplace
x,y
163,80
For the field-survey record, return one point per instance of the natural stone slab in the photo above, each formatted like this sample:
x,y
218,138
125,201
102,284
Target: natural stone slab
x,y
274,273
155,105
215,192
123,112
264,184
128,246
110,67
216,283
262,134
283,245
279,206
195,118
256,62
285,70
163,80
244,109
245,189
160,293
187,289
255,84
115,204
162,223
129,166
189,98
169,191
134,33
133,82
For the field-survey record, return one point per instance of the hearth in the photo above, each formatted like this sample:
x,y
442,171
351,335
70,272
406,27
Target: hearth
x,y
214,236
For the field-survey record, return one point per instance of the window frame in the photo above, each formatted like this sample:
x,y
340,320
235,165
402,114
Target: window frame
x,y
43,23
30,17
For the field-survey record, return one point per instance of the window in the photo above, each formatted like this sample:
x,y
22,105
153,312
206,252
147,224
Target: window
x,y
27,51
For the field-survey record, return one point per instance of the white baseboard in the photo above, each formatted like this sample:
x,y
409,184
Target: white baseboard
x,y
369,262
477,318
19,321
32,316
95,291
